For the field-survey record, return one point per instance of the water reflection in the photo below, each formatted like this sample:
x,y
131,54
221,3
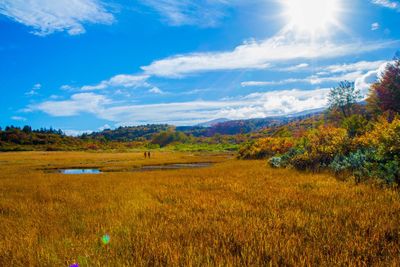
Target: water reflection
x,y
80,171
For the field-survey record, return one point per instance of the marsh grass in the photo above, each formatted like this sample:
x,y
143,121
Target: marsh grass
x,y
233,213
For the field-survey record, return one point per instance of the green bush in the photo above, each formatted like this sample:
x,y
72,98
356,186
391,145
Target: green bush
x,y
168,137
275,162
359,164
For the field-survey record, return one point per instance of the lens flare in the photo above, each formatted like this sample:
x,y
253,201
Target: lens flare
x,y
105,239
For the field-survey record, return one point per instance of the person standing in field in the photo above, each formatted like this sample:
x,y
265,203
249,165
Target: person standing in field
x,y
145,154
149,155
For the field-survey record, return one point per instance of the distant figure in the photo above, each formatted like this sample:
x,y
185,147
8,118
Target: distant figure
x,y
149,154
145,155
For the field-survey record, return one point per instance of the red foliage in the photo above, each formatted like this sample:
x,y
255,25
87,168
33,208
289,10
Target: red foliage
x,y
387,90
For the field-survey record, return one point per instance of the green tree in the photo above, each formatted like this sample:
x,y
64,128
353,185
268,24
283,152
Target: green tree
x,y
165,138
27,129
343,97
355,125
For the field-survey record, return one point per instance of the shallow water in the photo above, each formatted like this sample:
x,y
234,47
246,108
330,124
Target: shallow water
x,y
164,167
80,171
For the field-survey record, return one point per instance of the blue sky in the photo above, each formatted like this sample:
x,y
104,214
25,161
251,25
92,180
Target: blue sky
x,y
91,64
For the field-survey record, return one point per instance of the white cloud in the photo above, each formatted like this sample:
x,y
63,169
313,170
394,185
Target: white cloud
x,y
54,97
375,26
67,87
256,55
203,13
122,80
269,83
104,127
34,90
387,3
315,79
76,132
351,76
79,103
332,73
196,91
18,118
364,82
296,67
251,106
156,90
357,66
49,16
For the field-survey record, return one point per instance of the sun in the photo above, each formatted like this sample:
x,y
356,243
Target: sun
x,y
311,16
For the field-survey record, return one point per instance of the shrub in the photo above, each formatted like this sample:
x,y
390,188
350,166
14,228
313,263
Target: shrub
x,y
384,137
355,125
245,150
275,162
168,137
266,147
320,146
305,162
92,147
362,149
389,171
358,164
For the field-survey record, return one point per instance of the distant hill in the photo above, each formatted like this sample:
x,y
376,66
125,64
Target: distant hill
x,y
244,126
233,127
131,133
307,113
212,122
207,129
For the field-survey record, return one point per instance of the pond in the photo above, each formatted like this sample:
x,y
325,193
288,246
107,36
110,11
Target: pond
x,y
164,167
80,171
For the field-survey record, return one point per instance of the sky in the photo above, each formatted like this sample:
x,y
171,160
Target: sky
x,y
87,65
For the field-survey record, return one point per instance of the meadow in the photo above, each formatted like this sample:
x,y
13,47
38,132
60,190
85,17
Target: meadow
x,y
234,213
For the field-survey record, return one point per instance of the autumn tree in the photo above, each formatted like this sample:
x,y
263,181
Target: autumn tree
x,y
343,97
385,94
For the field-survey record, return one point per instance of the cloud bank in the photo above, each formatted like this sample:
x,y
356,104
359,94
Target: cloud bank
x,y
364,82
256,55
254,105
387,3
332,73
49,16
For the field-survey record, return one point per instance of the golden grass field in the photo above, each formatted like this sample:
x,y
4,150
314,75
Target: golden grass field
x,y
235,213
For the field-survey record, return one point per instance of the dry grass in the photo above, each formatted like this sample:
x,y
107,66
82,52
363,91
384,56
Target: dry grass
x,y
234,213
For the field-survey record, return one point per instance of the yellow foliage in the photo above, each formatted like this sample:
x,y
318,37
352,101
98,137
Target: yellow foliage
x,y
326,141
267,147
385,136
272,145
